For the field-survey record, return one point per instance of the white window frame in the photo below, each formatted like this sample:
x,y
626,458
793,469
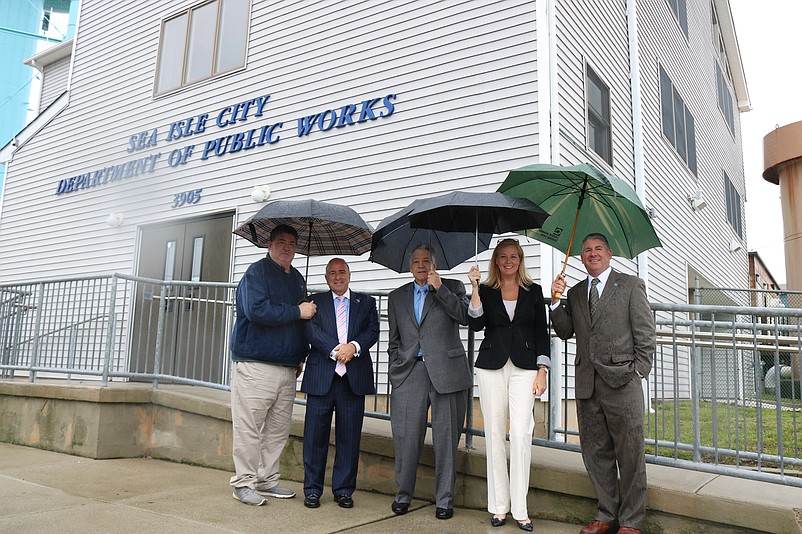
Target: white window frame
x,y
680,10
733,205
186,53
678,124
601,120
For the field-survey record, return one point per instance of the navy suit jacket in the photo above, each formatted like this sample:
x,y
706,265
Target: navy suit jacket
x,y
321,333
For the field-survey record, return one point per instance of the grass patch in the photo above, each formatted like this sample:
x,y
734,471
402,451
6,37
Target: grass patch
x,y
739,428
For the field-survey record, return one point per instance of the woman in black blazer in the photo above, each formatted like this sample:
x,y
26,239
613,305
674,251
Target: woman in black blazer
x,y
511,372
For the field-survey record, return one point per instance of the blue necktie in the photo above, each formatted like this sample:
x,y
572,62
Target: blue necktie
x,y
420,296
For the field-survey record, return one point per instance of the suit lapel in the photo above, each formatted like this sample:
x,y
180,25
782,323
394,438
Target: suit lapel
x,y
498,303
352,311
607,297
584,305
331,312
409,302
427,305
611,291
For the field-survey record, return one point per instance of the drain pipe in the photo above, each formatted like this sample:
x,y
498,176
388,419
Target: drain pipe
x,y
637,122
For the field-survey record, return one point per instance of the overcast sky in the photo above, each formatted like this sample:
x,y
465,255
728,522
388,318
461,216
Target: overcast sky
x,y
768,37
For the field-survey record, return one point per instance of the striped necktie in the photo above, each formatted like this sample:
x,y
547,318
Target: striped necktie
x,y
342,331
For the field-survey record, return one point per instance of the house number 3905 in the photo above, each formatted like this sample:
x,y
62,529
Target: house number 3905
x,y
186,197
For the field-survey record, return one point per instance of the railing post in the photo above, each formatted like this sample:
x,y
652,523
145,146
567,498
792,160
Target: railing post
x,y
555,399
111,329
157,357
469,413
36,333
696,380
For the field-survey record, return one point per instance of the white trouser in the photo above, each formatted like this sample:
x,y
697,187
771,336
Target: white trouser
x,y
503,392
261,412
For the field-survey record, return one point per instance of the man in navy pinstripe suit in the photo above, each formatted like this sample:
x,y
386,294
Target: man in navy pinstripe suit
x,y
338,375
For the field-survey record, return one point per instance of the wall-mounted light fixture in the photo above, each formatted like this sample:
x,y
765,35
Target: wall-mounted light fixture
x,y
735,245
697,201
260,193
115,219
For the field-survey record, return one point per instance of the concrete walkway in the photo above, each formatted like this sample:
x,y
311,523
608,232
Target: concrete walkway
x,y
48,492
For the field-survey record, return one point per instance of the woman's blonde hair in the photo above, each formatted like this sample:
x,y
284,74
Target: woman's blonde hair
x,y
493,274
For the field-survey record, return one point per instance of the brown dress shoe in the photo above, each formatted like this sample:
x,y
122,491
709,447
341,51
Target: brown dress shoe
x,y
598,527
628,530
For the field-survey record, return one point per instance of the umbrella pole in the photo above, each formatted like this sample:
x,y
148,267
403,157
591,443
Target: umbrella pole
x,y
558,294
308,248
476,241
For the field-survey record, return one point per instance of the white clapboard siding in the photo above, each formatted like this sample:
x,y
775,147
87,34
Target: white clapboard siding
x,y
669,182
54,81
466,111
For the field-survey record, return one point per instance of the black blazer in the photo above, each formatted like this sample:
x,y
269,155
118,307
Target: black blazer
x,y
523,339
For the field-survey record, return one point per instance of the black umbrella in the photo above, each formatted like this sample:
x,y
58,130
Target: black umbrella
x,y
323,228
394,240
460,211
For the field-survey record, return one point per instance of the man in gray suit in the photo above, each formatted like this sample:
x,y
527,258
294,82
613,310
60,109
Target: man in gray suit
x,y
428,367
615,342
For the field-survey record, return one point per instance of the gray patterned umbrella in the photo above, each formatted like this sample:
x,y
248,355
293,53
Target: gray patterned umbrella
x,y
323,228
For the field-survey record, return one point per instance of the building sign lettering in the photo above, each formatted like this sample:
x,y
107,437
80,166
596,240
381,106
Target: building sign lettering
x,y
241,141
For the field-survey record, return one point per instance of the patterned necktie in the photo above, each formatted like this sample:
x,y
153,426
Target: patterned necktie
x,y
420,297
342,331
594,299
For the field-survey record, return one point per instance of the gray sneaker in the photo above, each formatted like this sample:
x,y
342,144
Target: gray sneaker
x,y
248,496
277,491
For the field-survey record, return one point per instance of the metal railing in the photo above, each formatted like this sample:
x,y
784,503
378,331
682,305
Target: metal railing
x,y
724,394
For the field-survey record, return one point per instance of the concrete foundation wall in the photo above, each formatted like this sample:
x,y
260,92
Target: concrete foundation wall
x,y
193,425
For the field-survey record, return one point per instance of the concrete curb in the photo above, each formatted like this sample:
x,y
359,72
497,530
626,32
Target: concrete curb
x,y
193,425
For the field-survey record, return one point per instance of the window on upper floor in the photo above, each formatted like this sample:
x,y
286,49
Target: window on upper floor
x,y
678,123
598,110
201,42
723,74
680,11
725,98
733,200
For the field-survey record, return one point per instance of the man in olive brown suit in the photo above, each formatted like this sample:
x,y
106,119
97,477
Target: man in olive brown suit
x,y
615,341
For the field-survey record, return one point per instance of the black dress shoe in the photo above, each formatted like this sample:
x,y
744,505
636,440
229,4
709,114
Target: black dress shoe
x,y
444,513
344,501
400,507
528,527
496,522
312,500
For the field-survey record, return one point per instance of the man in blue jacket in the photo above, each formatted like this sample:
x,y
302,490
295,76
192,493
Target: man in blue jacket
x,y
268,349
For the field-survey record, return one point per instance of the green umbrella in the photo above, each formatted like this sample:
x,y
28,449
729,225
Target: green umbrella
x,y
582,200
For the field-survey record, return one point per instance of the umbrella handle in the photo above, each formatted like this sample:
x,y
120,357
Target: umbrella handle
x,y
558,294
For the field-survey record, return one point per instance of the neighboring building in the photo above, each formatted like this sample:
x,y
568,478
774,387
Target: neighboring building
x,y
760,279
170,114
23,27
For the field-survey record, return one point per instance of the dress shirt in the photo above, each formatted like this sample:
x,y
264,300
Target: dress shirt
x,y
599,287
542,359
336,301
418,301
602,281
